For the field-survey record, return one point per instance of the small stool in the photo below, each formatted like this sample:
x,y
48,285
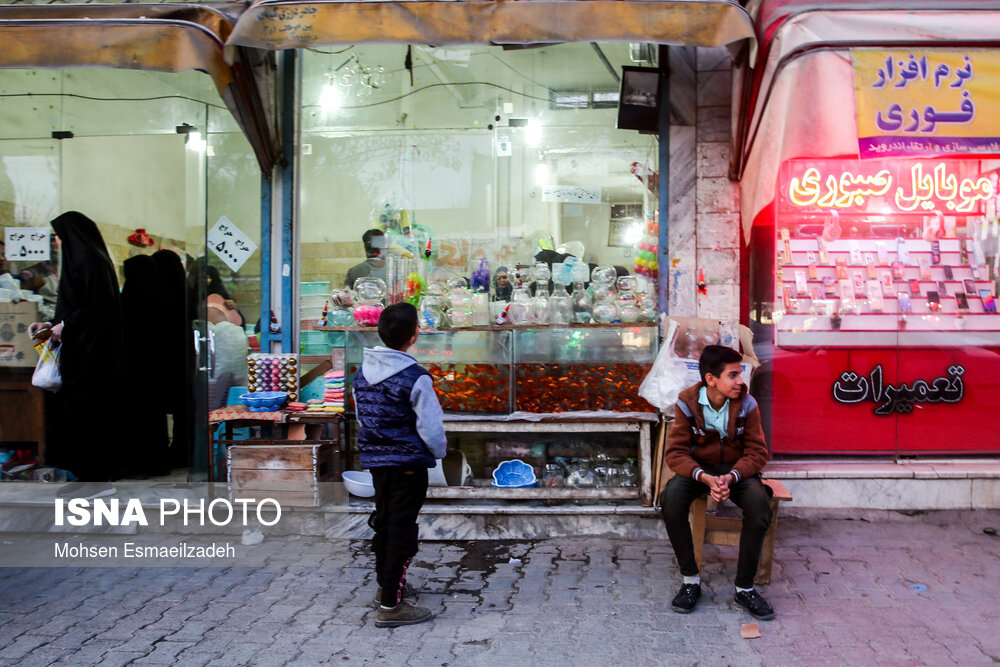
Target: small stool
x,y
725,530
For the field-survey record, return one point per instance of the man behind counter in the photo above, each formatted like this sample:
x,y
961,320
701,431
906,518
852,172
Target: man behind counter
x,y
374,265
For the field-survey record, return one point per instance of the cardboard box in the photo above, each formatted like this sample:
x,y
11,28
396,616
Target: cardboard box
x,y
16,349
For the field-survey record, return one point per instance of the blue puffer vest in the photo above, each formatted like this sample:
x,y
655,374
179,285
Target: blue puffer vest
x,y
388,435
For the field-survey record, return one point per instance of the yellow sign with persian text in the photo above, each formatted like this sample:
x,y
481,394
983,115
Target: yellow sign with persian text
x,y
914,103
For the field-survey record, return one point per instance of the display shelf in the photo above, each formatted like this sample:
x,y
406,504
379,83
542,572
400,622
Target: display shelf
x,y
506,327
563,427
536,493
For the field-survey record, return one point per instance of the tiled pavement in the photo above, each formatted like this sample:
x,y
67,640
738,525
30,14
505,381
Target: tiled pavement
x,y
919,589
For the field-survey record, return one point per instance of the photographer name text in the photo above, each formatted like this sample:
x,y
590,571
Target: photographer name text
x,y
133,550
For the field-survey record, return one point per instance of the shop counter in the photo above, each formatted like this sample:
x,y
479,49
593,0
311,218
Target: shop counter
x,y
562,398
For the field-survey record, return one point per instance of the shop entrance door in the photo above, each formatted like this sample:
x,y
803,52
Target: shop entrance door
x,y
134,151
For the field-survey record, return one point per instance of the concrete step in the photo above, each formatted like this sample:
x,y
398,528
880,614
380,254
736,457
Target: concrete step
x,y
889,484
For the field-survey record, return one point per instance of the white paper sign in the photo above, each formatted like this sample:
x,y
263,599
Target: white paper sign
x,y
571,193
27,244
230,244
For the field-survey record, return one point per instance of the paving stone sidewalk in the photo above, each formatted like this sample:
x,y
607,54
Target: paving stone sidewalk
x,y
917,589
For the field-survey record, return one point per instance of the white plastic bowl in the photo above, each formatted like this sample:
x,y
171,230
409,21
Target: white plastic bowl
x,y
359,483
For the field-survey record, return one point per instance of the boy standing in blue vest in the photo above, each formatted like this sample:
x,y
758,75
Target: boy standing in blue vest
x,y
400,437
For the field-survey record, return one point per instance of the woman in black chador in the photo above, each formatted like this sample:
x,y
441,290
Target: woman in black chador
x,y
176,355
84,435
143,324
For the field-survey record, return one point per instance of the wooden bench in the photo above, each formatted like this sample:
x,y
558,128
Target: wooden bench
x,y
725,530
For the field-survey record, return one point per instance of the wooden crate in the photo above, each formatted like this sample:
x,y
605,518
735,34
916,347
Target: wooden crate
x,y
295,473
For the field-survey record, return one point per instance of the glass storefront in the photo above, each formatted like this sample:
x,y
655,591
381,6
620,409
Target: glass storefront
x,y
438,170
873,294
132,151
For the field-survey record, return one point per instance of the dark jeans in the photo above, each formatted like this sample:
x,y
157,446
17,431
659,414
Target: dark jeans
x,y
399,495
748,494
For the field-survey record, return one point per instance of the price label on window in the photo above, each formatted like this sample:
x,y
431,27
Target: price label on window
x,y
230,244
27,244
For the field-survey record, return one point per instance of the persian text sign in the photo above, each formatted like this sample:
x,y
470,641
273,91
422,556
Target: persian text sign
x,y
926,102
883,187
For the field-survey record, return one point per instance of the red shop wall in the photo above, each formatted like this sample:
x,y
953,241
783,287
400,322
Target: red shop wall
x,y
807,419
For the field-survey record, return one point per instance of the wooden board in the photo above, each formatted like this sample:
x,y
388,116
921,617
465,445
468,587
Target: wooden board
x,y
285,456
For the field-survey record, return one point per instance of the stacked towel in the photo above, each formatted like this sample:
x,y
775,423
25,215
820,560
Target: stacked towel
x,y
333,392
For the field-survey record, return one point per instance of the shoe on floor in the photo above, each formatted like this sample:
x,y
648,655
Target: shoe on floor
x,y
686,598
755,604
409,595
86,490
402,614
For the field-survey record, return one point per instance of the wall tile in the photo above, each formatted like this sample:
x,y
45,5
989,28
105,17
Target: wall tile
x,y
718,230
713,159
683,85
713,58
722,301
714,88
718,195
714,123
681,291
721,266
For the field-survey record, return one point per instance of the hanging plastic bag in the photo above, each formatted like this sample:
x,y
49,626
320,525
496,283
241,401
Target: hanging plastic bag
x,y
47,375
665,381
668,375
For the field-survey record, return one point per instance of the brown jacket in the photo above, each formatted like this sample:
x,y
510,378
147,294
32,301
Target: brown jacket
x,y
690,445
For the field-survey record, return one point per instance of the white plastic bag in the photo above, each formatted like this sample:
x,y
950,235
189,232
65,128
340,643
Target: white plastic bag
x,y
47,375
668,375
665,380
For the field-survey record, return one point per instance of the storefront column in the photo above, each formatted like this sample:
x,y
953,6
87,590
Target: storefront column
x,y
278,204
664,183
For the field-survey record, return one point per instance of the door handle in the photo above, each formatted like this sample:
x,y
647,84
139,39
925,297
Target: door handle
x,y
211,354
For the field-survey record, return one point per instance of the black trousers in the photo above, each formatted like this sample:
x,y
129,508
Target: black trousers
x,y
750,495
399,495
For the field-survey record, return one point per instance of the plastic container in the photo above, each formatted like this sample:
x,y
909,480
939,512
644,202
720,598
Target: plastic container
x,y
264,401
359,483
514,474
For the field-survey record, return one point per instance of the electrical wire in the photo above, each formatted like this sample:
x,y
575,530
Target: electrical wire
x,y
437,85
115,99
330,53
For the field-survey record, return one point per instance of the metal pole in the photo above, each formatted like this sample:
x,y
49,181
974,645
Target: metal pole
x,y
664,182
287,67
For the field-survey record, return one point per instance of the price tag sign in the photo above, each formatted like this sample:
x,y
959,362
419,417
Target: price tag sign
x,y
27,244
230,244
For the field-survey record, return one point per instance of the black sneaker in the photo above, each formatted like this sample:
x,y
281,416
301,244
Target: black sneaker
x,y
755,604
686,598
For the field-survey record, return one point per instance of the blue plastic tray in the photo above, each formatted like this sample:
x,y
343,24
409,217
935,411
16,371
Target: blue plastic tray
x,y
514,474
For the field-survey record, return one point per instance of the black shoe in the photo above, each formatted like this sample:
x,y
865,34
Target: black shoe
x,y
686,598
755,604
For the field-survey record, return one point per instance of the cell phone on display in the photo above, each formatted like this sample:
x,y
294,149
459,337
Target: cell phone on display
x,y
970,287
989,303
943,288
904,303
914,286
933,301
962,300
948,273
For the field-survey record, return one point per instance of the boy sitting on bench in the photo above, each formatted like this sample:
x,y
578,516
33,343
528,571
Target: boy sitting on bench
x,y
716,445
